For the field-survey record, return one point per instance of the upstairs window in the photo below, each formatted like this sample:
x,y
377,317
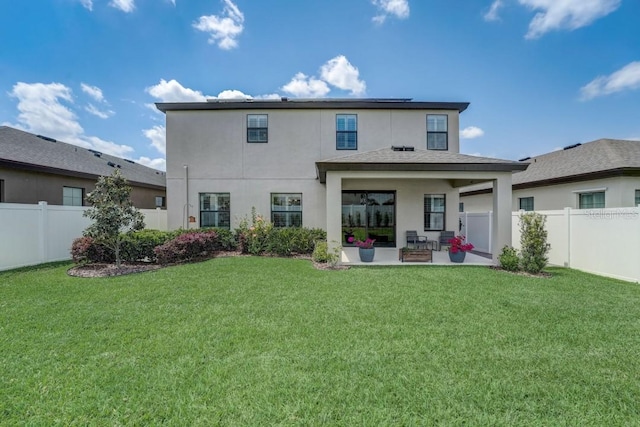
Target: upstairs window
x,y
257,128
594,200
346,132
437,132
286,209
215,210
434,210
160,201
526,203
72,196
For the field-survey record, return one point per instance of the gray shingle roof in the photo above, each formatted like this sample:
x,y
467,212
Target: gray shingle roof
x,y
416,160
25,149
588,160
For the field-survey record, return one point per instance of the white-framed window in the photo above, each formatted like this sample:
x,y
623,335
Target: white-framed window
x,y
215,210
525,203
72,196
257,128
286,209
637,198
434,212
437,132
346,132
591,200
461,207
161,201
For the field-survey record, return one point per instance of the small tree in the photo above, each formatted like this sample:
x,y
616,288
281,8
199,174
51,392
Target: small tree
x,y
112,212
533,242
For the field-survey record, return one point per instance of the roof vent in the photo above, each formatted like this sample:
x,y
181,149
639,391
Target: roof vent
x,y
524,159
97,154
130,161
46,138
569,147
113,165
94,151
402,148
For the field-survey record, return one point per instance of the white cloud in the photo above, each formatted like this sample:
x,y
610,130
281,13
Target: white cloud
x,y
471,132
158,137
306,87
492,13
172,91
87,4
225,28
124,5
96,112
93,91
46,109
160,164
398,8
340,73
569,14
626,78
232,94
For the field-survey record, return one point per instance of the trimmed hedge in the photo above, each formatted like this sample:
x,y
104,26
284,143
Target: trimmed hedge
x,y
190,246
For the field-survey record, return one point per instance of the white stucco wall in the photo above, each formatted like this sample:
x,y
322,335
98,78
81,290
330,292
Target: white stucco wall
x,y
207,151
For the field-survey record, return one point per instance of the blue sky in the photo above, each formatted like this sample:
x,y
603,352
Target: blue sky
x,y
539,74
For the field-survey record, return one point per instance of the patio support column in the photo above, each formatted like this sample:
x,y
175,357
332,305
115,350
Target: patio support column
x,y
501,214
334,210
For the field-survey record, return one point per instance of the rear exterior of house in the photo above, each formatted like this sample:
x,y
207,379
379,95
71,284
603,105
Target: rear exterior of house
x,y
363,167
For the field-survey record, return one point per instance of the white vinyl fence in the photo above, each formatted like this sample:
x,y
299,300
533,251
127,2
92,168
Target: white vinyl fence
x,y
34,234
599,241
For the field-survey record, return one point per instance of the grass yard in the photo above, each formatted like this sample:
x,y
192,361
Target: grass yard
x,y
265,341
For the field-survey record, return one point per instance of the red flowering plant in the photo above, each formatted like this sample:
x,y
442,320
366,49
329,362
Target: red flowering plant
x,y
458,245
365,244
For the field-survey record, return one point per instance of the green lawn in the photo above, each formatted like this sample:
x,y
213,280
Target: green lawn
x,y
265,341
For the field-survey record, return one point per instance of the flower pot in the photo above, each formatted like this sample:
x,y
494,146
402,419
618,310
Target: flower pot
x,y
457,257
366,254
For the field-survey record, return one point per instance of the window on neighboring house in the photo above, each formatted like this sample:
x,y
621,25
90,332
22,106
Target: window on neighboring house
x,y
257,128
346,132
437,132
286,209
72,196
161,201
461,207
2,190
637,197
526,203
593,200
434,210
215,210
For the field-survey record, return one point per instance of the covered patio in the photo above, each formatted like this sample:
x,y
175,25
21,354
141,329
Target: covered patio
x,y
389,256
407,177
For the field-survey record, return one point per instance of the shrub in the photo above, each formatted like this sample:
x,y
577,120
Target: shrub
x,y
252,236
509,259
322,254
533,242
189,246
140,245
85,250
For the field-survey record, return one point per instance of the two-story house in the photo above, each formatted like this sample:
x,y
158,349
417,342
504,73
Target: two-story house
x,y
363,167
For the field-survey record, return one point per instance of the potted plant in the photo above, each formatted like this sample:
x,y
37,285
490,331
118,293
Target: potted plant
x,y
458,249
366,249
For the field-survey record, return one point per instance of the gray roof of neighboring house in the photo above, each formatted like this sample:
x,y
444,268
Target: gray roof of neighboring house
x,y
400,159
24,150
289,104
592,160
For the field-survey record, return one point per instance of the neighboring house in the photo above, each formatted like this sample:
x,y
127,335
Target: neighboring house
x,y
369,167
36,168
598,174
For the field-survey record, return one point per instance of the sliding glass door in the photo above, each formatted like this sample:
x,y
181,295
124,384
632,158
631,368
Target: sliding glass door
x,y
369,214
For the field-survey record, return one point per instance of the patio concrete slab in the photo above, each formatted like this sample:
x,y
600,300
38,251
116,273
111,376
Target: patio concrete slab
x,y
389,256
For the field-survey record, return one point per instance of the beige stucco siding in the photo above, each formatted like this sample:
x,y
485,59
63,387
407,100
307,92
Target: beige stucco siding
x,y
619,192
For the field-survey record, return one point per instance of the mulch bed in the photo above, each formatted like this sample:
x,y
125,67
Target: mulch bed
x,y
541,275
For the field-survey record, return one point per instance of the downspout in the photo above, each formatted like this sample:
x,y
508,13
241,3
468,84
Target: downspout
x,y
186,193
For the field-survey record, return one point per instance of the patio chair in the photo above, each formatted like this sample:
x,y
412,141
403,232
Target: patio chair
x,y
413,240
445,236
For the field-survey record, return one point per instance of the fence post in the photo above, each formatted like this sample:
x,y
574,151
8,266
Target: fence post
x,y
43,229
